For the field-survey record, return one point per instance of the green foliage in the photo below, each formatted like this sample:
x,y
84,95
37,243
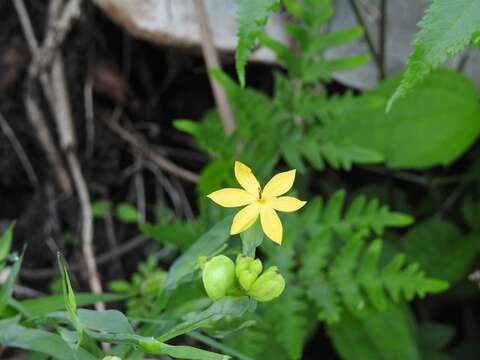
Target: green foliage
x,y
440,97
362,214
7,288
446,29
6,244
101,208
126,213
441,249
388,334
145,292
433,338
14,335
209,244
70,301
252,15
351,278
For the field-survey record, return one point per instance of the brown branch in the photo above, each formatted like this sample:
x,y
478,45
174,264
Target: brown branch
x,y
17,147
64,121
100,260
211,59
138,142
59,29
33,110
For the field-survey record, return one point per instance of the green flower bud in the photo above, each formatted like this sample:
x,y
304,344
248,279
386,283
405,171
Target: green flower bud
x,y
111,357
247,270
150,345
268,286
218,276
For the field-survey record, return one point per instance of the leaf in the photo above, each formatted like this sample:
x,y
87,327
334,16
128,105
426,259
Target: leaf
x,y
433,338
379,335
14,335
188,352
207,245
441,249
291,327
70,301
109,321
6,243
420,131
251,239
227,307
7,288
446,29
47,304
126,213
178,233
101,208
362,214
252,15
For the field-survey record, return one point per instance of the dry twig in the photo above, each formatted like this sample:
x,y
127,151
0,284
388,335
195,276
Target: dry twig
x,y
17,147
138,142
211,59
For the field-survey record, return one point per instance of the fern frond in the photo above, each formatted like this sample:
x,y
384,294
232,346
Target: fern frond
x,y
347,278
252,15
290,329
347,273
361,214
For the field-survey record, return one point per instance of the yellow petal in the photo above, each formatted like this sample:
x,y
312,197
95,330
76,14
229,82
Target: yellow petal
x,y
271,224
279,184
286,203
246,178
245,218
232,197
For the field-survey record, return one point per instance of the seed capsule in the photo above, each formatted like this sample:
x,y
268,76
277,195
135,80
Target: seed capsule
x,y
247,270
268,286
218,276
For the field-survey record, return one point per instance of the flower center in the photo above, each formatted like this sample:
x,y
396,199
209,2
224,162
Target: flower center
x,y
262,200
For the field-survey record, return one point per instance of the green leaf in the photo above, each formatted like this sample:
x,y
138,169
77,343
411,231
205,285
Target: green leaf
x,y
441,249
446,29
188,352
433,338
433,126
379,335
14,335
362,214
69,300
251,239
252,15
101,208
227,307
7,288
6,243
47,304
127,213
109,321
207,245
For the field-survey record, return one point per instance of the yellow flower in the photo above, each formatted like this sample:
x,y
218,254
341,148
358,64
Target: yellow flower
x,y
259,202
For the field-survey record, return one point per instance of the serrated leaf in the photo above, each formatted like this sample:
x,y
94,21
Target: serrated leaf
x,y
252,15
446,29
